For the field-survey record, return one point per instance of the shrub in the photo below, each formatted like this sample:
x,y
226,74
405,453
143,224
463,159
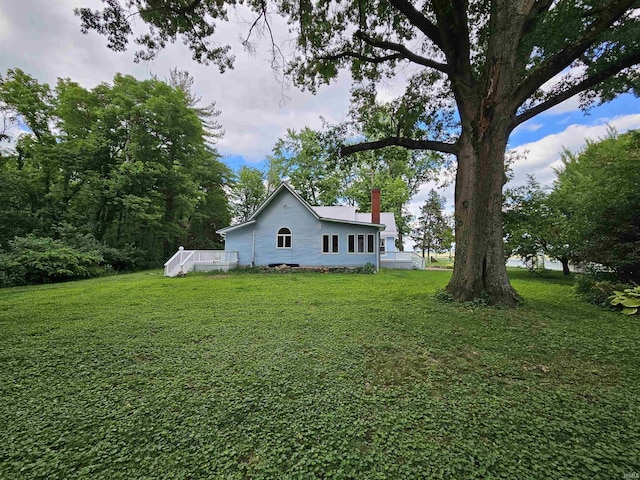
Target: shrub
x,y
124,258
32,259
367,269
127,258
597,288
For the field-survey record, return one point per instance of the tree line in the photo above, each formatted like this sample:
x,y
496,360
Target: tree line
x,y
112,177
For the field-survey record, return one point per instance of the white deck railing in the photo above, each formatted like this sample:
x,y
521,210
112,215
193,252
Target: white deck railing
x,y
187,260
394,259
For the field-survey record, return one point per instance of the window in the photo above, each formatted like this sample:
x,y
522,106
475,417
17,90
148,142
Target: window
x,y
284,238
382,246
370,243
329,243
361,243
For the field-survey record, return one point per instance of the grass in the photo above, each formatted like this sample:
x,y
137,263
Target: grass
x,y
313,376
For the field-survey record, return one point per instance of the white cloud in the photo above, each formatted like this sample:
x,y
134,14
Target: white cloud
x,y
45,41
544,154
5,26
570,105
533,126
528,126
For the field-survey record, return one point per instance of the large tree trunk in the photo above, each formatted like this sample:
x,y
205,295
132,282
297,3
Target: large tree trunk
x,y
487,109
479,270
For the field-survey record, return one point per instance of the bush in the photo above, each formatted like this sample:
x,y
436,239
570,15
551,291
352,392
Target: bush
x,y
597,288
32,259
126,258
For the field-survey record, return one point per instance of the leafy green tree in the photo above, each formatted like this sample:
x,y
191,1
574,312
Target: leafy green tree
x,y
247,193
598,191
394,197
304,161
30,168
308,160
398,173
208,114
23,95
534,224
128,163
212,209
432,232
274,173
482,67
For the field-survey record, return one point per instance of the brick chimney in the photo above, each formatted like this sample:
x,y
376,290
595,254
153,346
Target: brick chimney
x,y
375,205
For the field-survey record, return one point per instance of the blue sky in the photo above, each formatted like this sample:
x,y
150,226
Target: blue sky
x,y
550,123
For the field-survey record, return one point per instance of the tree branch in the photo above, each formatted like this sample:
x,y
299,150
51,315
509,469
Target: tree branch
x,y
417,19
587,83
454,28
346,150
360,56
532,12
572,51
403,51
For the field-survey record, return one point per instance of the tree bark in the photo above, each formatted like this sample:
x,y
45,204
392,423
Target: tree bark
x,y
479,270
565,266
487,108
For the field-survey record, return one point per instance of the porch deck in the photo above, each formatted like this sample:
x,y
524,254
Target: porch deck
x,y
185,261
402,261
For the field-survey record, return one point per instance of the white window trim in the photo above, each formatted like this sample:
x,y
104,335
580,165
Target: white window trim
x,y
330,252
284,237
366,244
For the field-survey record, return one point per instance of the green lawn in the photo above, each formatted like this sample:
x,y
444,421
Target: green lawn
x,y
313,376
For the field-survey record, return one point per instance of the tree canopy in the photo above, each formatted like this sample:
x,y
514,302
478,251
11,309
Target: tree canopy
x,y
597,189
590,216
479,69
127,163
537,222
247,193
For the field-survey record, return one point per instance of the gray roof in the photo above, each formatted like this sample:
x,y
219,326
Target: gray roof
x,y
341,214
351,214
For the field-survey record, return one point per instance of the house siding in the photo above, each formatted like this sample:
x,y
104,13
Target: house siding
x,y
390,244
285,211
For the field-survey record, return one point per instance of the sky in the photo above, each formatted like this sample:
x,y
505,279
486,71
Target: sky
x,y
43,38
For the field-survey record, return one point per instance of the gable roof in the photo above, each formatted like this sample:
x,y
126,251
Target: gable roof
x,y
337,214
283,185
